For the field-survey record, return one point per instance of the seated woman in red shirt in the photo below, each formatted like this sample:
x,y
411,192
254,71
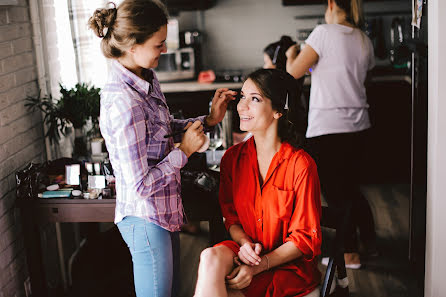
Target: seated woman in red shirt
x,y
270,198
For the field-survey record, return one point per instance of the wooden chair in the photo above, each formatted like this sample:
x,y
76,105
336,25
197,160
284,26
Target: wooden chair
x,y
200,206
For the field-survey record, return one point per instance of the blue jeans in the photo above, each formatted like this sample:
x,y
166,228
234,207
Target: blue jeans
x,y
155,255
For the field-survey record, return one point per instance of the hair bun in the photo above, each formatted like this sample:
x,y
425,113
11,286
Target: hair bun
x,y
286,42
102,20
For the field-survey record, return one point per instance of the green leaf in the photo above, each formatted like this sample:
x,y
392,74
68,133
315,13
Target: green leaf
x,y
75,107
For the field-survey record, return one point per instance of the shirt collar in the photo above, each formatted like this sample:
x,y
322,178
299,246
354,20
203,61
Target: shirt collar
x,y
143,87
286,150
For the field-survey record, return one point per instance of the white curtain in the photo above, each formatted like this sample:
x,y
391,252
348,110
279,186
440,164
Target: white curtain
x,y
91,64
72,50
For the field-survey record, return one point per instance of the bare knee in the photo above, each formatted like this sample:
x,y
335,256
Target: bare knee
x,y
216,258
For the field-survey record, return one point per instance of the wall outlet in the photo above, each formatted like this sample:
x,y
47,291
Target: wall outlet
x,y
27,285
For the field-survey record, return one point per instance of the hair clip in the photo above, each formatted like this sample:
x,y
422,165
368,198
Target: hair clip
x,y
286,102
276,53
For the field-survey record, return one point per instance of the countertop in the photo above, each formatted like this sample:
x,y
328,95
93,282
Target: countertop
x,y
194,86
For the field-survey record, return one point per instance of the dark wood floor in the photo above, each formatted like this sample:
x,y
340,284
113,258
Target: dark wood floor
x,y
388,275
103,267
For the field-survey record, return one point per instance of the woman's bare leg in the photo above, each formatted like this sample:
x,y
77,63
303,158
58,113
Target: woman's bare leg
x,y
215,264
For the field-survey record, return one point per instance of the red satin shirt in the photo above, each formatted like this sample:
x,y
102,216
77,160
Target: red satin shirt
x,y
287,207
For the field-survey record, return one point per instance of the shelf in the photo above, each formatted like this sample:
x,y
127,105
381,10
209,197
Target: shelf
x,y
194,86
367,14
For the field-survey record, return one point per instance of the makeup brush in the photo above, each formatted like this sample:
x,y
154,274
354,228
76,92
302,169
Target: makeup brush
x,y
175,133
203,148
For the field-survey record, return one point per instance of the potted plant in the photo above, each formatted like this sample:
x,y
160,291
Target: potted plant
x,y
74,108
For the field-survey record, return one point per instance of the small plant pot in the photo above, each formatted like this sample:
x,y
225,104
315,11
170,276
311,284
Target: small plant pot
x,y
80,144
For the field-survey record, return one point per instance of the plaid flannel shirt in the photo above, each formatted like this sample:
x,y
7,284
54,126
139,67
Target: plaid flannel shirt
x,y
134,120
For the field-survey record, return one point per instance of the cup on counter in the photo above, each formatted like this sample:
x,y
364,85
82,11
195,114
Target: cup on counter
x,y
106,193
96,146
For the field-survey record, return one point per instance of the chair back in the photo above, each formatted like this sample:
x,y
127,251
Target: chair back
x,y
337,219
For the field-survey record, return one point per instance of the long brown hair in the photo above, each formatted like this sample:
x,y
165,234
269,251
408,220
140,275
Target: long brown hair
x,y
353,9
280,87
133,22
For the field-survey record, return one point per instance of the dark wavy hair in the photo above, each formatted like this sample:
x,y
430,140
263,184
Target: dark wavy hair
x,y
276,51
276,85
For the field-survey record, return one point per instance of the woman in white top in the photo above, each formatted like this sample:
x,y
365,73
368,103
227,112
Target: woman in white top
x,y
340,55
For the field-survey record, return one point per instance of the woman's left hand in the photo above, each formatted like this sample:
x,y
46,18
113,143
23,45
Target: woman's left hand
x,y
240,277
219,105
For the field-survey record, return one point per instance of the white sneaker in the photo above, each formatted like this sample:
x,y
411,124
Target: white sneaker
x,y
353,266
325,261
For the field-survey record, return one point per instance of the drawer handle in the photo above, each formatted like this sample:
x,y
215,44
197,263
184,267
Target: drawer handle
x,y
54,210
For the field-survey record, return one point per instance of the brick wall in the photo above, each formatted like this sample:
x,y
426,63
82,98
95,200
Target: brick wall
x,y
21,137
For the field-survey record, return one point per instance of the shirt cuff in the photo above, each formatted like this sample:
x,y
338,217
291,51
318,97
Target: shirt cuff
x,y
177,158
206,128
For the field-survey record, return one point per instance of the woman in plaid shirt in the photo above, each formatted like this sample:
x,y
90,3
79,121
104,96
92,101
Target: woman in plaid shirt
x,y
134,120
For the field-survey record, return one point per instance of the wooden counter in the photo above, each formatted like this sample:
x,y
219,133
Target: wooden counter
x,y
194,86
35,212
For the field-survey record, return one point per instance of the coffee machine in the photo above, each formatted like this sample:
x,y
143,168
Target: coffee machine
x,y
193,39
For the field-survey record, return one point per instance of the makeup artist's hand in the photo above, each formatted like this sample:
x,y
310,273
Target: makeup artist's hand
x,y
219,105
193,138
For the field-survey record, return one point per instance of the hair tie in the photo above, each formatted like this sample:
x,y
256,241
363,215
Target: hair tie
x,y
100,21
276,52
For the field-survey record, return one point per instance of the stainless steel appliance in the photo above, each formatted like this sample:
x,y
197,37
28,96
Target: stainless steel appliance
x,y
419,131
176,65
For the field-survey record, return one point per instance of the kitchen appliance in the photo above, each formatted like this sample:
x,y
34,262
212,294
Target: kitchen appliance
x,y
190,38
399,52
318,2
230,76
193,39
417,46
175,6
374,30
176,65
173,34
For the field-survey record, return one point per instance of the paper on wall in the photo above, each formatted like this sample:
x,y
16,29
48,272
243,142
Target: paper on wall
x,y
417,11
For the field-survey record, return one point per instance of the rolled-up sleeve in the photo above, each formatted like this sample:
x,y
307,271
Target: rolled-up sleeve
x,y
304,228
130,133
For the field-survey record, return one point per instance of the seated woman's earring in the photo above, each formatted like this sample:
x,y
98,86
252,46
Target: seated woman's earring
x,y
286,102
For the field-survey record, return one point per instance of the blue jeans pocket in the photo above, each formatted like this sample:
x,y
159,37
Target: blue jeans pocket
x,y
135,235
